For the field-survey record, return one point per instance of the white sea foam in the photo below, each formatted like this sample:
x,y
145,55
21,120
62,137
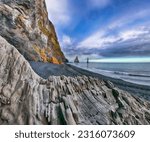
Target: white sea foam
x,y
134,73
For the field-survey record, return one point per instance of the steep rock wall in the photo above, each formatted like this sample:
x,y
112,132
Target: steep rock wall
x,y
25,24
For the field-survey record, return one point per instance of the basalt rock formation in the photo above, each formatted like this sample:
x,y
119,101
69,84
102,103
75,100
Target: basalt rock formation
x,y
26,98
25,24
76,60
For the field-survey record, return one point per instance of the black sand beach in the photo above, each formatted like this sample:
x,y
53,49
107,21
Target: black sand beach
x,y
46,69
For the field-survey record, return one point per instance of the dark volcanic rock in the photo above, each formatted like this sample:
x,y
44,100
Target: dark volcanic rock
x,y
76,60
25,24
26,98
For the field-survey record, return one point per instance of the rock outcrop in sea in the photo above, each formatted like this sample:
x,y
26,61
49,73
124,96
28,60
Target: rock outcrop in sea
x,y
25,24
76,60
26,98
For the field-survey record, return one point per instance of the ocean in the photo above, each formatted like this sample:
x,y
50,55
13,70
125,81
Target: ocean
x,y
138,73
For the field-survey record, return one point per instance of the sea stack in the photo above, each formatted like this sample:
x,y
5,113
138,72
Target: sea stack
x,y
87,60
76,60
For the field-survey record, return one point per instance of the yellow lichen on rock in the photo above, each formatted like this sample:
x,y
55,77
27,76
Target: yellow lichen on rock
x,y
44,30
54,60
44,55
57,52
41,52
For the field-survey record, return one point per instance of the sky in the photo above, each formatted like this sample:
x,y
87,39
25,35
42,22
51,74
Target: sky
x,y
102,29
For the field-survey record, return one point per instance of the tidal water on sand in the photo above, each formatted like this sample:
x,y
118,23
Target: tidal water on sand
x,y
138,73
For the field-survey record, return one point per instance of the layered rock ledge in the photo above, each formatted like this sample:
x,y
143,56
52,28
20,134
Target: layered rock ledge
x,y
26,98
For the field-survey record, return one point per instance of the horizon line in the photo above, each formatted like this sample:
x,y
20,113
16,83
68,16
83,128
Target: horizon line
x,y
120,60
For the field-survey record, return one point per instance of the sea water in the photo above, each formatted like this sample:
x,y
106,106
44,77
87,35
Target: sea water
x,y
138,73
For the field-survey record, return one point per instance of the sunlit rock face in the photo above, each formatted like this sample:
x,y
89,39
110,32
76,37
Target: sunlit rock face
x,y
25,25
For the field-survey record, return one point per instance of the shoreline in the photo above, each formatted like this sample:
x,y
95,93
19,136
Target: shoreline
x,y
116,71
142,91
48,69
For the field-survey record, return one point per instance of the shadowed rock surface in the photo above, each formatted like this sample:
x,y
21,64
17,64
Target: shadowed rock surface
x,y
26,98
25,24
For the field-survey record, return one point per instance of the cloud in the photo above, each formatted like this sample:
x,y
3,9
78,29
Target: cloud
x,y
124,49
99,3
99,40
126,43
94,40
58,11
115,51
66,40
134,34
140,49
127,18
68,47
120,28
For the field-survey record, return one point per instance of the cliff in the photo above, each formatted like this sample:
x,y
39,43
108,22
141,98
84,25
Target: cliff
x,y
25,25
26,98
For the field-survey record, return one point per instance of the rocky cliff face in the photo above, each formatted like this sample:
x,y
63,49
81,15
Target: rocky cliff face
x,y
26,98
25,24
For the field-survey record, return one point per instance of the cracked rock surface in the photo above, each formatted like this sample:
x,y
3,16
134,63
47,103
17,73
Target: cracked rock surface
x,y
26,98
